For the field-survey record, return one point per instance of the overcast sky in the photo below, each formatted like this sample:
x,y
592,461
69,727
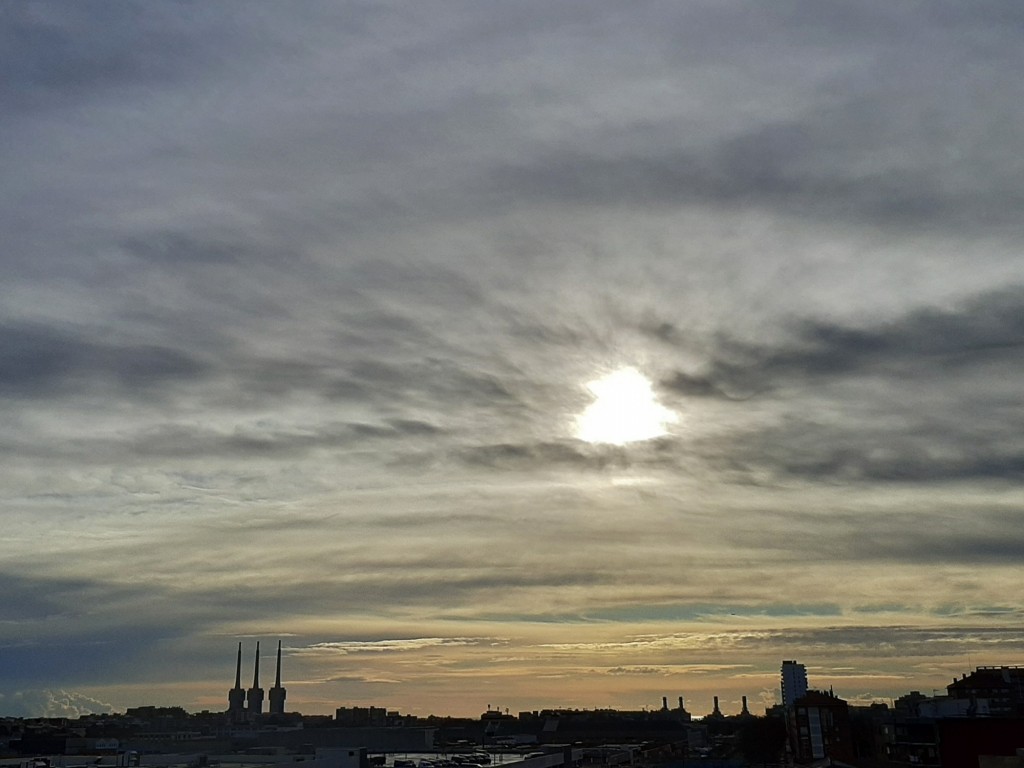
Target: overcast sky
x,y
300,304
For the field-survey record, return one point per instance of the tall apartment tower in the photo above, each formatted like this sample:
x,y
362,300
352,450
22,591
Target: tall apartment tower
x,y
255,694
236,696
794,682
277,693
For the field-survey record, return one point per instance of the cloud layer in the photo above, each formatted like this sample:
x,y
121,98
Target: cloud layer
x,y
299,310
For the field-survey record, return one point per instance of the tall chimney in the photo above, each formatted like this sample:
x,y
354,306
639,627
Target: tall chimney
x,y
236,696
255,696
277,693
256,668
238,667
277,680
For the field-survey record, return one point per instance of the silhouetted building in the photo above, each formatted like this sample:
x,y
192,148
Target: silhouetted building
x,y
360,717
998,690
908,705
820,727
952,742
794,682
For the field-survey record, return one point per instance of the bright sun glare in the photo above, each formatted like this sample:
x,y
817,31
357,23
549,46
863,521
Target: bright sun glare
x,y
625,410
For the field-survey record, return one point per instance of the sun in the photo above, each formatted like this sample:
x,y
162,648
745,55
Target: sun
x,y
625,410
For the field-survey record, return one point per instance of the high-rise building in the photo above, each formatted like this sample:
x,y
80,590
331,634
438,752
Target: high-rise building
x,y
794,682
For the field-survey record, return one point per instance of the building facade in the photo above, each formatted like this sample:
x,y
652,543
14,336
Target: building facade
x,y
794,682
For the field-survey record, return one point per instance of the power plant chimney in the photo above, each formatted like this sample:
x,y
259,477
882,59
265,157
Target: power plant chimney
x,y
236,696
745,711
684,716
255,695
664,703
717,712
277,693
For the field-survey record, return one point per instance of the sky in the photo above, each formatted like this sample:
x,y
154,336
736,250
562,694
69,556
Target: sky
x,y
512,355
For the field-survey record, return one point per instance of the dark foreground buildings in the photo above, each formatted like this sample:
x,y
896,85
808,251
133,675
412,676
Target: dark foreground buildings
x,y
978,723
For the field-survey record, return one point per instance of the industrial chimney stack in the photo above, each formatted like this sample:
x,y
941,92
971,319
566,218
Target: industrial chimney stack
x,y
277,693
236,696
255,695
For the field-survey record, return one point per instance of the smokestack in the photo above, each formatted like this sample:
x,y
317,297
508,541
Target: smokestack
x,y
238,668
681,707
745,710
236,696
277,693
664,703
256,669
255,694
277,681
717,712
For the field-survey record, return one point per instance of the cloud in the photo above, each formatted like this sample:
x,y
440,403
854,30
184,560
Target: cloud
x,y
31,703
924,397
636,671
55,53
983,330
38,361
346,647
298,311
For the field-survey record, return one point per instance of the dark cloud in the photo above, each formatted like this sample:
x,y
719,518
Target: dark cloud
x,y
689,385
38,361
924,398
569,454
434,381
55,54
927,342
899,140
880,642
178,249
77,631
987,327
759,172
176,441
905,461
956,535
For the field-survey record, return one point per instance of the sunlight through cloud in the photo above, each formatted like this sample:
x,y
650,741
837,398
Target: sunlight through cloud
x,y
626,410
